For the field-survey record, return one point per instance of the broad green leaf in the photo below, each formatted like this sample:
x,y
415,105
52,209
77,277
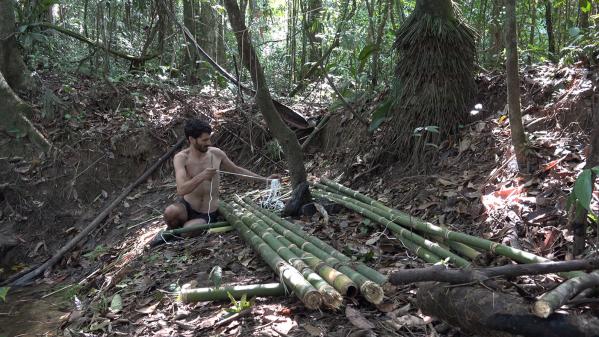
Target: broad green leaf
x,y
574,31
366,51
3,292
586,7
379,115
116,304
595,170
583,189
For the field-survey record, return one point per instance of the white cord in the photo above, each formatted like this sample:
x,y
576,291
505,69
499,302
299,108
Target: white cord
x,y
244,175
273,198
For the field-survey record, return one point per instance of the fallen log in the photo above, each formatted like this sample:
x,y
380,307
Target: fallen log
x,y
191,295
481,311
98,220
559,296
440,273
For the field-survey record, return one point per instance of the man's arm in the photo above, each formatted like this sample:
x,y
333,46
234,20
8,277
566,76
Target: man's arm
x,y
186,185
229,166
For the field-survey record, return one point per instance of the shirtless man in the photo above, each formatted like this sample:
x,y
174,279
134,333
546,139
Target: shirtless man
x,y
197,179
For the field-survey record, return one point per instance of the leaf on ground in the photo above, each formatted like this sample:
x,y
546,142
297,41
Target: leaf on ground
x,y
148,309
116,304
357,319
321,210
312,330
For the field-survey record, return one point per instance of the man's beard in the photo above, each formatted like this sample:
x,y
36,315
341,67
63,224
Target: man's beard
x,y
201,148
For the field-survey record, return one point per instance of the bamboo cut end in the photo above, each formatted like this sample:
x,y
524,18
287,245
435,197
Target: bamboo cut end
x,y
312,300
345,285
331,298
372,292
542,309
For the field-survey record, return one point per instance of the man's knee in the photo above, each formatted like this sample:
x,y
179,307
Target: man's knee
x,y
174,216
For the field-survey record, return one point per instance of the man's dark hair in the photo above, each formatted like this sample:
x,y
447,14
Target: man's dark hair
x,y
195,127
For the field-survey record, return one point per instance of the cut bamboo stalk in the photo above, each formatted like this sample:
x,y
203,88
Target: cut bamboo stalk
x,y
220,294
291,276
338,280
429,228
371,291
464,250
368,211
330,297
223,229
193,228
559,296
370,273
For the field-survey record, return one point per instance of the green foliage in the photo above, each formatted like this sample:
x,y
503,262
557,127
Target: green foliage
x,y
582,193
216,276
3,293
380,114
96,252
238,306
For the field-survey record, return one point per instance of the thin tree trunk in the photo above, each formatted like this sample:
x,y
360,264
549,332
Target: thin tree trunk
x,y
11,63
497,44
513,86
533,23
583,21
280,131
549,27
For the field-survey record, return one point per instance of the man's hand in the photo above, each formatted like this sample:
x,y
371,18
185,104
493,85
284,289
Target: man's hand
x,y
207,174
274,176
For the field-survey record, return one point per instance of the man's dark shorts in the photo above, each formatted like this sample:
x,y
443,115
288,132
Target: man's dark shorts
x,y
193,214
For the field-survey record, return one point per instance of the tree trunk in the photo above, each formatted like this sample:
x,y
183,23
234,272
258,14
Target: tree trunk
x,y
583,21
497,44
11,63
313,28
549,27
190,58
434,85
13,76
13,112
533,23
282,133
513,86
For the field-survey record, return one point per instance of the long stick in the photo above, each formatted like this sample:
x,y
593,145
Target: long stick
x,y
442,274
98,220
216,294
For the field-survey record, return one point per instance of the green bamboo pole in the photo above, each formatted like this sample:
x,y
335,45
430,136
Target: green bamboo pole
x,y
338,280
427,227
371,291
417,239
193,228
219,230
191,295
331,297
370,273
420,251
561,294
463,249
292,278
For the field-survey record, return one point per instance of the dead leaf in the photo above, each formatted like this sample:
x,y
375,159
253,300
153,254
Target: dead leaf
x,y
445,182
357,319
149,309
373,239
312,330
464,145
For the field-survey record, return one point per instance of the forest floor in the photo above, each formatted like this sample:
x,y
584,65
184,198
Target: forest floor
x,y
114,285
